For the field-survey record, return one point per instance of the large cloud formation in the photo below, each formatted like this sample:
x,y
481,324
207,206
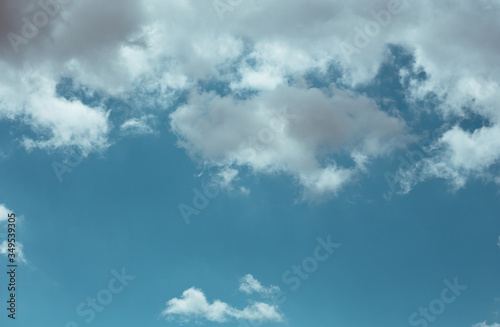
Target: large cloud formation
x,y
268,137
262,52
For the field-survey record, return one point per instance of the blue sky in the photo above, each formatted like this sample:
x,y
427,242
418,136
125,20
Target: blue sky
x,y
183,163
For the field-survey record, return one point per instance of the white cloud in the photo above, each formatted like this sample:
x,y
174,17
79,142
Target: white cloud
x,y
4,247
141,125
194,305
458,155
315,127
484,324
4,212
154,48
65,123
249,285
226,177
55,121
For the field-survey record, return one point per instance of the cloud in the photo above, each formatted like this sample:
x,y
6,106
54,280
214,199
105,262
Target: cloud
x,y
249,285
226,177
483,324
465,154
4,249
194,305
55,122
141,125
154,51
4,246
4,212
302,141
457,156
68,45
64,123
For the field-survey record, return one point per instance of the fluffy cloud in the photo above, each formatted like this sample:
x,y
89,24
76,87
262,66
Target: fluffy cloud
x,y
194,305
56,122
150,50
290,130
457,156
73,42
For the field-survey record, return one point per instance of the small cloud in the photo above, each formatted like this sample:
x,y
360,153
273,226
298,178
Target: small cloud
x,y
139,126
226,177
483,324
244,190
249,285
4,246
4,249
194,305
4,211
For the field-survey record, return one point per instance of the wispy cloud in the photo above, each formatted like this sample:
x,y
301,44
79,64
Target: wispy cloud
x,y
484,324
249,285
4,212
142,125
4,249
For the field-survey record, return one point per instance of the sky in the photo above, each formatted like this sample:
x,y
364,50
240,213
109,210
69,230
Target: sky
x,y
250,163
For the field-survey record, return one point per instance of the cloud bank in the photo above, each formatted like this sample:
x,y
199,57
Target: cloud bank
x,y
259,57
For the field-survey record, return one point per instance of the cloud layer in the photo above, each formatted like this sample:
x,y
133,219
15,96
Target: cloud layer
x,y
260,55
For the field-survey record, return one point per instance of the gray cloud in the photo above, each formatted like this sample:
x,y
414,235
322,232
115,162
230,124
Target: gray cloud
x,y
122,49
